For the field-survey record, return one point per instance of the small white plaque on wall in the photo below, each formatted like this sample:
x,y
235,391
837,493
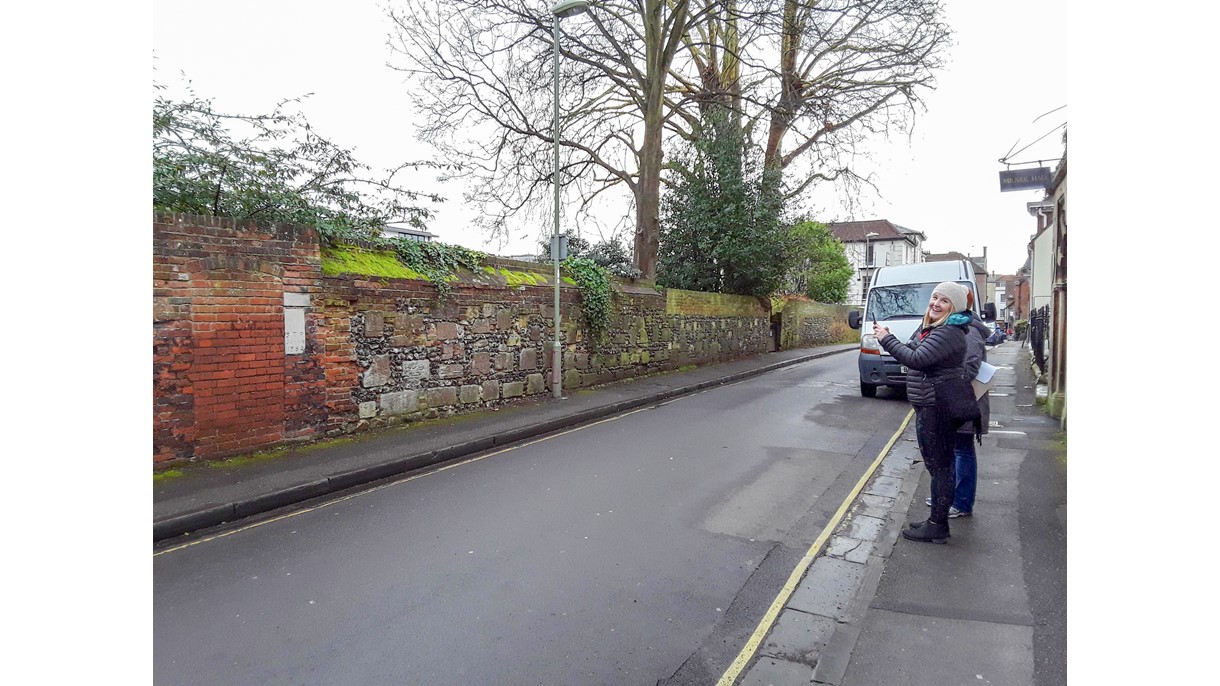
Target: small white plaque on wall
x,y
296,300
294,330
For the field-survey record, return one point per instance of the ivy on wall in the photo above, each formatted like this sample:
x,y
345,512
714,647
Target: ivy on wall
x,y
594,284
438,262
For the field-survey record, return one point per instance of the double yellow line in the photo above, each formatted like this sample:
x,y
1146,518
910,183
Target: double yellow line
x,y
764,626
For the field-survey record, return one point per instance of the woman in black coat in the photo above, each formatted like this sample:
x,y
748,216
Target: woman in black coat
x,y
937,350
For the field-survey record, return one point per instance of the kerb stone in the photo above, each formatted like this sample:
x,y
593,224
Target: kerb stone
x,y
828,588
850,549
798,637
863,528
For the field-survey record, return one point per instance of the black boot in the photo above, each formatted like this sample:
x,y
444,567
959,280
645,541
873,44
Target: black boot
x,y
927,531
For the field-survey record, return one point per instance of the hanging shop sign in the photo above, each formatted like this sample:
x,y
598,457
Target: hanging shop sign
x,y
1025,179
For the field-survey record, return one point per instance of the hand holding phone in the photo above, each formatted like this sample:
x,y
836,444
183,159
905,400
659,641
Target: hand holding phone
x,y
877,329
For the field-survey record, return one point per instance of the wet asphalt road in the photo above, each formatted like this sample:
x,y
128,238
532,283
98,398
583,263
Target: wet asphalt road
x,y
637,550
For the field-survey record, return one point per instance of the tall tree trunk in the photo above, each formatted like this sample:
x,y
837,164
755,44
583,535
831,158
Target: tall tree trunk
x,y
661,42
648,192
790,87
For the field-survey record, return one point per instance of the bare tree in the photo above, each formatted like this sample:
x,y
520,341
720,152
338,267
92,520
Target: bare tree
x,y
848,69
825,75
483,72
636,73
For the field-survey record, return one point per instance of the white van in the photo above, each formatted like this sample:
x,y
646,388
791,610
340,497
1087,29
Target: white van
x,y
898,298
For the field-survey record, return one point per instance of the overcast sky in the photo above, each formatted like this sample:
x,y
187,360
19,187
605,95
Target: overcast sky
x,y
1007,69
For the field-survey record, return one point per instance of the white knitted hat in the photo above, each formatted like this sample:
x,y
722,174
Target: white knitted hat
x,y
955,292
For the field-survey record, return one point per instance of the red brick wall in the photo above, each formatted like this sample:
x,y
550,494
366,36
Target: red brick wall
x,y
222,382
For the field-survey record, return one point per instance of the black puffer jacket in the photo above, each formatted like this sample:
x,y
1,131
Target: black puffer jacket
x,y
938,354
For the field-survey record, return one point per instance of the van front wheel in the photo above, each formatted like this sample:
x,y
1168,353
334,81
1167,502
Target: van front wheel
x,y
868,390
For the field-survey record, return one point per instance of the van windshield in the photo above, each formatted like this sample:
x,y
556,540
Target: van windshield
x,y
902,301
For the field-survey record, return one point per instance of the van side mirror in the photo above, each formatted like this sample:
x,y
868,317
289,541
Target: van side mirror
x,y
853,318
989,312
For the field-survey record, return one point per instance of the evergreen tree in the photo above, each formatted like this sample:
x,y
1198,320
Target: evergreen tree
x,y
721,225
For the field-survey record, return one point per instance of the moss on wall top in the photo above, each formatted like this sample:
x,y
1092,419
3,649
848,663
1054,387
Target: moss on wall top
x,y
514,278
346,259
712,304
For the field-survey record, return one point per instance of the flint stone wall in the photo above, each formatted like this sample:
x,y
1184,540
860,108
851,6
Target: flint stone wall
x,y
258,340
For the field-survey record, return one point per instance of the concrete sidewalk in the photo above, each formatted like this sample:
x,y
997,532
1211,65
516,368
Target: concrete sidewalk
x,y
989,607
207,495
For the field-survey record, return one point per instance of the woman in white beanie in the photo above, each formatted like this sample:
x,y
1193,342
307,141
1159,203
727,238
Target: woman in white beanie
x,y
936,351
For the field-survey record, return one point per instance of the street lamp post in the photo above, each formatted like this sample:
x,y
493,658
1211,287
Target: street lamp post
x,y
864,263
562,9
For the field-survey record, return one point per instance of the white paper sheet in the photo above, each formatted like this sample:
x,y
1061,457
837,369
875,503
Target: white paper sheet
x,y
982,381
985,373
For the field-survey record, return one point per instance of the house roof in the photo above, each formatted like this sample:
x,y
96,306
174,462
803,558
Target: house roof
x,y
914,232
854,232
950,256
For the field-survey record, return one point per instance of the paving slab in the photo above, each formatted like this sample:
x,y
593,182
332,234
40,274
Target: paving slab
x,y
934,651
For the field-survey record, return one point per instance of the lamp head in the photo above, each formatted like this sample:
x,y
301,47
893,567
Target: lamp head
x,y
567,8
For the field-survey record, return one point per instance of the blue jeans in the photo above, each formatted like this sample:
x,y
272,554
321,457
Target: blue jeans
x,y
965,468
